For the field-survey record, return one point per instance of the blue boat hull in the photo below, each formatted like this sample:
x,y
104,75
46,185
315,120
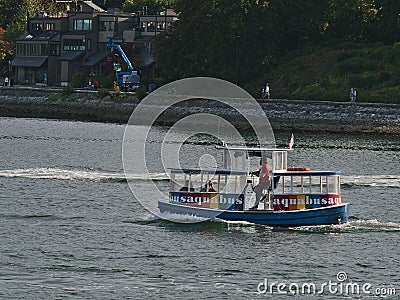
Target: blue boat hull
x,y
336,214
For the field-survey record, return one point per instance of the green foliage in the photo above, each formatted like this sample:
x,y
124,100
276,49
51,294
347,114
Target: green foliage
x,y
351,19
345,55
52,98
328,73
103,93
389,94
78,80
357,65
152,6
141,93
67,91
106,81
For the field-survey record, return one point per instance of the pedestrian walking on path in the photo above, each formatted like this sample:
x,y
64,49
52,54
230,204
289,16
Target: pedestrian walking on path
x,y
353,95
266,91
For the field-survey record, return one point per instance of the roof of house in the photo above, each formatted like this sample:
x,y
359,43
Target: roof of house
x,y
96,58
29,61
37,35
94,6
145,59
71,55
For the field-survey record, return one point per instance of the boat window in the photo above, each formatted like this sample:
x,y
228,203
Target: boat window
x,y
222,184
178,181
309,185
333,185
195,181
235,184
314,184
297,185
294,185
172,182
280,160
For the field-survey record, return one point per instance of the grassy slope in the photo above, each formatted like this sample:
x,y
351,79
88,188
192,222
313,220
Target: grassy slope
x,y
328,72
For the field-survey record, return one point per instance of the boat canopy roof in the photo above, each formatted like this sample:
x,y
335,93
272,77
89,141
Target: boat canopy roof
x,y
253,151
306,173
209,171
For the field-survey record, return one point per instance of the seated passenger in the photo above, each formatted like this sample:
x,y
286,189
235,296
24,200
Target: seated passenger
x,y
209,187
186,187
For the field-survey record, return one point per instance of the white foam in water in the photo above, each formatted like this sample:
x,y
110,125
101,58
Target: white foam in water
x,y
182,218
372,180
55,173
374,224
353,226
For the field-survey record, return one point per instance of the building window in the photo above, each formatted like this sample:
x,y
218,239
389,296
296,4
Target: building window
x,y
49,26
74,45
151,27
143,26
88,44
84,24
106,26
161,26
37,26
54,49
20,49
33,49
44,49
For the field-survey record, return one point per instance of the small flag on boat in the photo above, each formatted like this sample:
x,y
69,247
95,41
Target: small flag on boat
x,y
291,142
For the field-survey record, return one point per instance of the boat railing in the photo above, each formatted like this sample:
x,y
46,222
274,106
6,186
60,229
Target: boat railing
x,y
216,189
305,190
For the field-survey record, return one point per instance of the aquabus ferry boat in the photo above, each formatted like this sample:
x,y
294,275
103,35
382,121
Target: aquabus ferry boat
x,y
289,196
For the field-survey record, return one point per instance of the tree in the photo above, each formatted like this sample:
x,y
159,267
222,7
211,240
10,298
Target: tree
x,y
387,29
149,6
211,34
351,19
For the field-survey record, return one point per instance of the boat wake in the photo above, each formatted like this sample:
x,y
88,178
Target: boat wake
x,y
390,181
355,226
352,227
88,175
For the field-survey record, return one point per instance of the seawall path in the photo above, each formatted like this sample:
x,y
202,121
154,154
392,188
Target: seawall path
x,y
284,115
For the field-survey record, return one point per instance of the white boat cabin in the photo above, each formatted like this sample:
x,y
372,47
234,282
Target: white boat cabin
x,y
228,188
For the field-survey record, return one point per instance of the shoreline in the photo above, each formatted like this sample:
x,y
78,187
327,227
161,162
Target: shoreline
x,y
284,115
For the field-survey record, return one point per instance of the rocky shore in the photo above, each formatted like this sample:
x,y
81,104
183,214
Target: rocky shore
x,y
284,115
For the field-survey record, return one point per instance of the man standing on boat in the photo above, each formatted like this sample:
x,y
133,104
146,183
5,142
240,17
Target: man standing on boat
x,y
263,182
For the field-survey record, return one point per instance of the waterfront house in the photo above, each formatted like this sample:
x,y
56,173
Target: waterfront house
x,y
58,45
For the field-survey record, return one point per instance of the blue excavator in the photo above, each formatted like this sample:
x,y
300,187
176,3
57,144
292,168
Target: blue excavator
x,y
126,80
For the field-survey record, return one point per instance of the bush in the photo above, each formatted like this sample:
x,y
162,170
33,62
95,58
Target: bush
x,y
390,94
106,81
158,81
78,80
102,93
364,80
52,98
141,93
309,92
357,65
67,91
345,55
